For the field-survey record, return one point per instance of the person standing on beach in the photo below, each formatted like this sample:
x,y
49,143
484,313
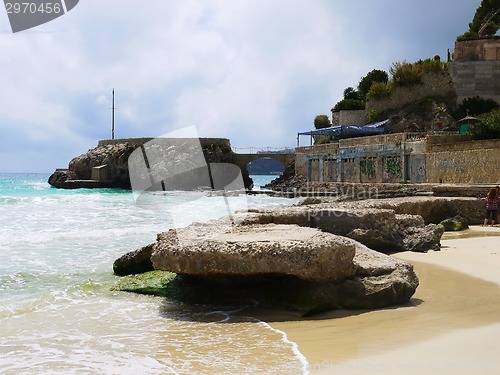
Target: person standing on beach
x,y
491,206
498,202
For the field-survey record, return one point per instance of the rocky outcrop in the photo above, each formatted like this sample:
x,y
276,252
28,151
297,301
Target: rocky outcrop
x,y
112,158
279,266
431,209
307,258
134,262
377,228
386,225
60,176
178,162
211,250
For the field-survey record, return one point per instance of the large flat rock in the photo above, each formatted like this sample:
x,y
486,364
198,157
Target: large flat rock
x,y
250,250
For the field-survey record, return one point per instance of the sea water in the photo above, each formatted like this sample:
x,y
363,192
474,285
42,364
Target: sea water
x,y
59,315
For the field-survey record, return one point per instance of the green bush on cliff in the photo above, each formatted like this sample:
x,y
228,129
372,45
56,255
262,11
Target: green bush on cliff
x,y
349,105
380,90
488,128
474,106
405,73
366,83
321,121
408,74
375,116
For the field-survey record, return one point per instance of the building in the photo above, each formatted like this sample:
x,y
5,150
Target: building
x,y
401,157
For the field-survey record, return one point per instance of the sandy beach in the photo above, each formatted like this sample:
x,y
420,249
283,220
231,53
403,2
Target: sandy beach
x,y
450,326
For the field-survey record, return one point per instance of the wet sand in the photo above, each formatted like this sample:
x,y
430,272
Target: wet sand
x,y
450,326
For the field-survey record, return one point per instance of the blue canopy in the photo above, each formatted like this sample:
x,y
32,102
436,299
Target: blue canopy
x,y
349,131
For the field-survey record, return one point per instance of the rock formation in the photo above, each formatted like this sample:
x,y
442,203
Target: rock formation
x,y
107,165
306,258
456,223
113,157
378,228
214,249
134,262
279,266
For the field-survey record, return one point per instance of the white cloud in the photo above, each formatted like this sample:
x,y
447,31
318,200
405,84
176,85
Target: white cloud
x,y
255,72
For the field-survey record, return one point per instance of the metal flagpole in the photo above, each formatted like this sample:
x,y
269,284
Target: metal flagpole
x,y
113,117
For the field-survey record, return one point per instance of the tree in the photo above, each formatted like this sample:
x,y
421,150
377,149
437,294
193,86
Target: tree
x,y
486,21
321,121
474,106
366,82
351,93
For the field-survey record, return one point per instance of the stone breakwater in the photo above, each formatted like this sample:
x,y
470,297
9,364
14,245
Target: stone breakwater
x,y
305,258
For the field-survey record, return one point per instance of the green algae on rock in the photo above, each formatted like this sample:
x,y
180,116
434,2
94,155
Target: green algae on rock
x,y
152,283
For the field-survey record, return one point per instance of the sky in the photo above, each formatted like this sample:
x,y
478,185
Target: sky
x,y
254,71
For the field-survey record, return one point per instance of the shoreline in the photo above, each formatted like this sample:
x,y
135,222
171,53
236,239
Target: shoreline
x,y
450,326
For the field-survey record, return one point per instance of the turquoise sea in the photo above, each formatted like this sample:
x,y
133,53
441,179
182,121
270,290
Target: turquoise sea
x,y
58,315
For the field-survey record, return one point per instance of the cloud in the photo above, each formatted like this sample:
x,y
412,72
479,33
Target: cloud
x,y
254,72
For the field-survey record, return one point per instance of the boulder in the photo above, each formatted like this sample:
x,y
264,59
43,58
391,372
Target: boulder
x,y
212,250
60,176
134,262
424,239
456,223
380,280
432,209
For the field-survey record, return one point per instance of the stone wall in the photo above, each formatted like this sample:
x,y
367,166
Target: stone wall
x,y
433,84
476,78
402,157
477,50
383,158
467,162
359,117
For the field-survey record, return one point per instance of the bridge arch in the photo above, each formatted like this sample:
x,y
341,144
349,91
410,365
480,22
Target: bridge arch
x,y
242,160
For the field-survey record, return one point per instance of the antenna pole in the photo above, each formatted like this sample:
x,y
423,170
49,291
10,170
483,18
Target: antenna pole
x,y
113,117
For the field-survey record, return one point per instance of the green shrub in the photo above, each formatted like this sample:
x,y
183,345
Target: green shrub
x,y
488,128
434,65
406,74
349,105
474,106
322,139
321,121
367,81
379,90
374,116
469,35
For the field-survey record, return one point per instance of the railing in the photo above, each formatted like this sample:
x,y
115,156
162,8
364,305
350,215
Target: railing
x,y
382,139
318,149
263,150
